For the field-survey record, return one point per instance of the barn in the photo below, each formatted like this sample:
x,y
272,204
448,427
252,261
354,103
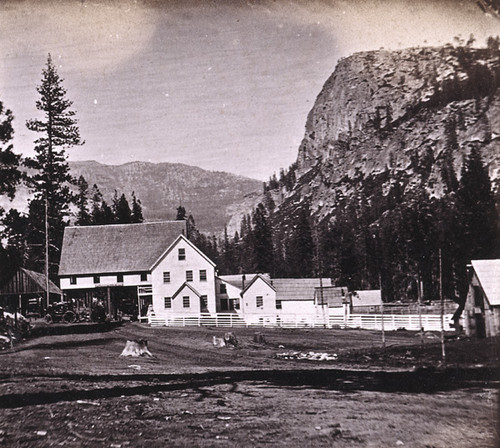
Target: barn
x,y
482,307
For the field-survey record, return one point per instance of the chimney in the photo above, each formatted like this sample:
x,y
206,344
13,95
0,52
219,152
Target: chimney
x,y
243,278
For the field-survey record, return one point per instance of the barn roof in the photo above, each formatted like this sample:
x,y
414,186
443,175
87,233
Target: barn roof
x,y
370,297
28,282
297,289
488,274
237,281
333,296
116,248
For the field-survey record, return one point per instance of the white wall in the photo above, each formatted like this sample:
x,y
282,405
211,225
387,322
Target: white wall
x,y
298,307
249,299
195,262
87,282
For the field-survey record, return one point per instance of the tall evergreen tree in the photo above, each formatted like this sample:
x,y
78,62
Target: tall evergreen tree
x,y
83,217
123,214
476,208
181,213
262,240
57,131
300,248
9,161
136,210
9,177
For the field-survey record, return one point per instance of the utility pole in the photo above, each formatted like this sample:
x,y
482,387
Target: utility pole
x,y
419,295
381,307
47,290
441,297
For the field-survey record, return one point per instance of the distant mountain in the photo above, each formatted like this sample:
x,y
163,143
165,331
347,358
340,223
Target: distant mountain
x,y
212,197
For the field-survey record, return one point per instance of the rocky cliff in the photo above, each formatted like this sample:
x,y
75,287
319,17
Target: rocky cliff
x,y
386,116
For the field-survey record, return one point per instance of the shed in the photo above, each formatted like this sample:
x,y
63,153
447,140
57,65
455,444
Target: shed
x,y
482,307
25,289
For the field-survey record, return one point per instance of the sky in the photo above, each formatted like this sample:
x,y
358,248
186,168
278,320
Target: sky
x,y
225,85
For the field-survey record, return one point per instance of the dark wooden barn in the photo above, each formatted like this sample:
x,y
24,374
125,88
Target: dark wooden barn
x,y
26,292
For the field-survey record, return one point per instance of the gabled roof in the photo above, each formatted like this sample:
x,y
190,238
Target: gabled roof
x,y
370,297
333,296
171,247
237,280
28,282
265,279
117,247
488,274
296,289
185,285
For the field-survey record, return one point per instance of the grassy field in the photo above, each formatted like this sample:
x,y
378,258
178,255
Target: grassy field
x,y
75,390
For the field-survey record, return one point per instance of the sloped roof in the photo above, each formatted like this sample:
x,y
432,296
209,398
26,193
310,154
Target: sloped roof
x,y
488,274
28,282
262,277
182,287
369,297
236,280
296,289
333,296
116,248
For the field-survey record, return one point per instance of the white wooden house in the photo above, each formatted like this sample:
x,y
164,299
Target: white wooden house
x,y
148,264
266,296
482,307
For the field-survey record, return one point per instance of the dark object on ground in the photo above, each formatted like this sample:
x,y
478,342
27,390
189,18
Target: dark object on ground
x,y
230,339
259,338
61,312
98,313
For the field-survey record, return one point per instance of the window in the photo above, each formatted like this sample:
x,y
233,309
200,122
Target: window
x,y
97,279
72,280
203,275
119,278
168,302
185,302
189,276
223,289
259,301
182,253
166,277
204,303
144,277
278,305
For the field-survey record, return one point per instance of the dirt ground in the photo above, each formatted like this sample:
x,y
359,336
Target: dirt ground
x,y
74,390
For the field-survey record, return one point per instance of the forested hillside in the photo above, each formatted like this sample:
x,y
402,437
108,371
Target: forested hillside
x,y
399,163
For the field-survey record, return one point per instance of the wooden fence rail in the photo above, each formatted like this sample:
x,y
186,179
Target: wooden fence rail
x,y
430,322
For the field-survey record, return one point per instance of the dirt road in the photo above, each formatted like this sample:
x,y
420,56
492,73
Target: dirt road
x,y
74,390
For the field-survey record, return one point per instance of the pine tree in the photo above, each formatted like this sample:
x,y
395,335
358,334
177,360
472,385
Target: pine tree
x,y
9,161
136,210
83,217
9,177
123,214
262,240
300,247
181,213
476,208
58,130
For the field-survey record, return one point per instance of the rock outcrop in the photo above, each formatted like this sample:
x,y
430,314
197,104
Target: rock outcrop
x,y
401,115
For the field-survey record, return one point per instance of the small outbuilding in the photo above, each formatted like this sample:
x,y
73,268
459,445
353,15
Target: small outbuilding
x,y
482,307
26,292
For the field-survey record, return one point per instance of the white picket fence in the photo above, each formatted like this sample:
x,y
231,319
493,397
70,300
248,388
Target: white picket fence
x,y
430,322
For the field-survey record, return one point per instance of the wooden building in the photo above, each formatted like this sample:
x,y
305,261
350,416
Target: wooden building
x,y
482,307
26,292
